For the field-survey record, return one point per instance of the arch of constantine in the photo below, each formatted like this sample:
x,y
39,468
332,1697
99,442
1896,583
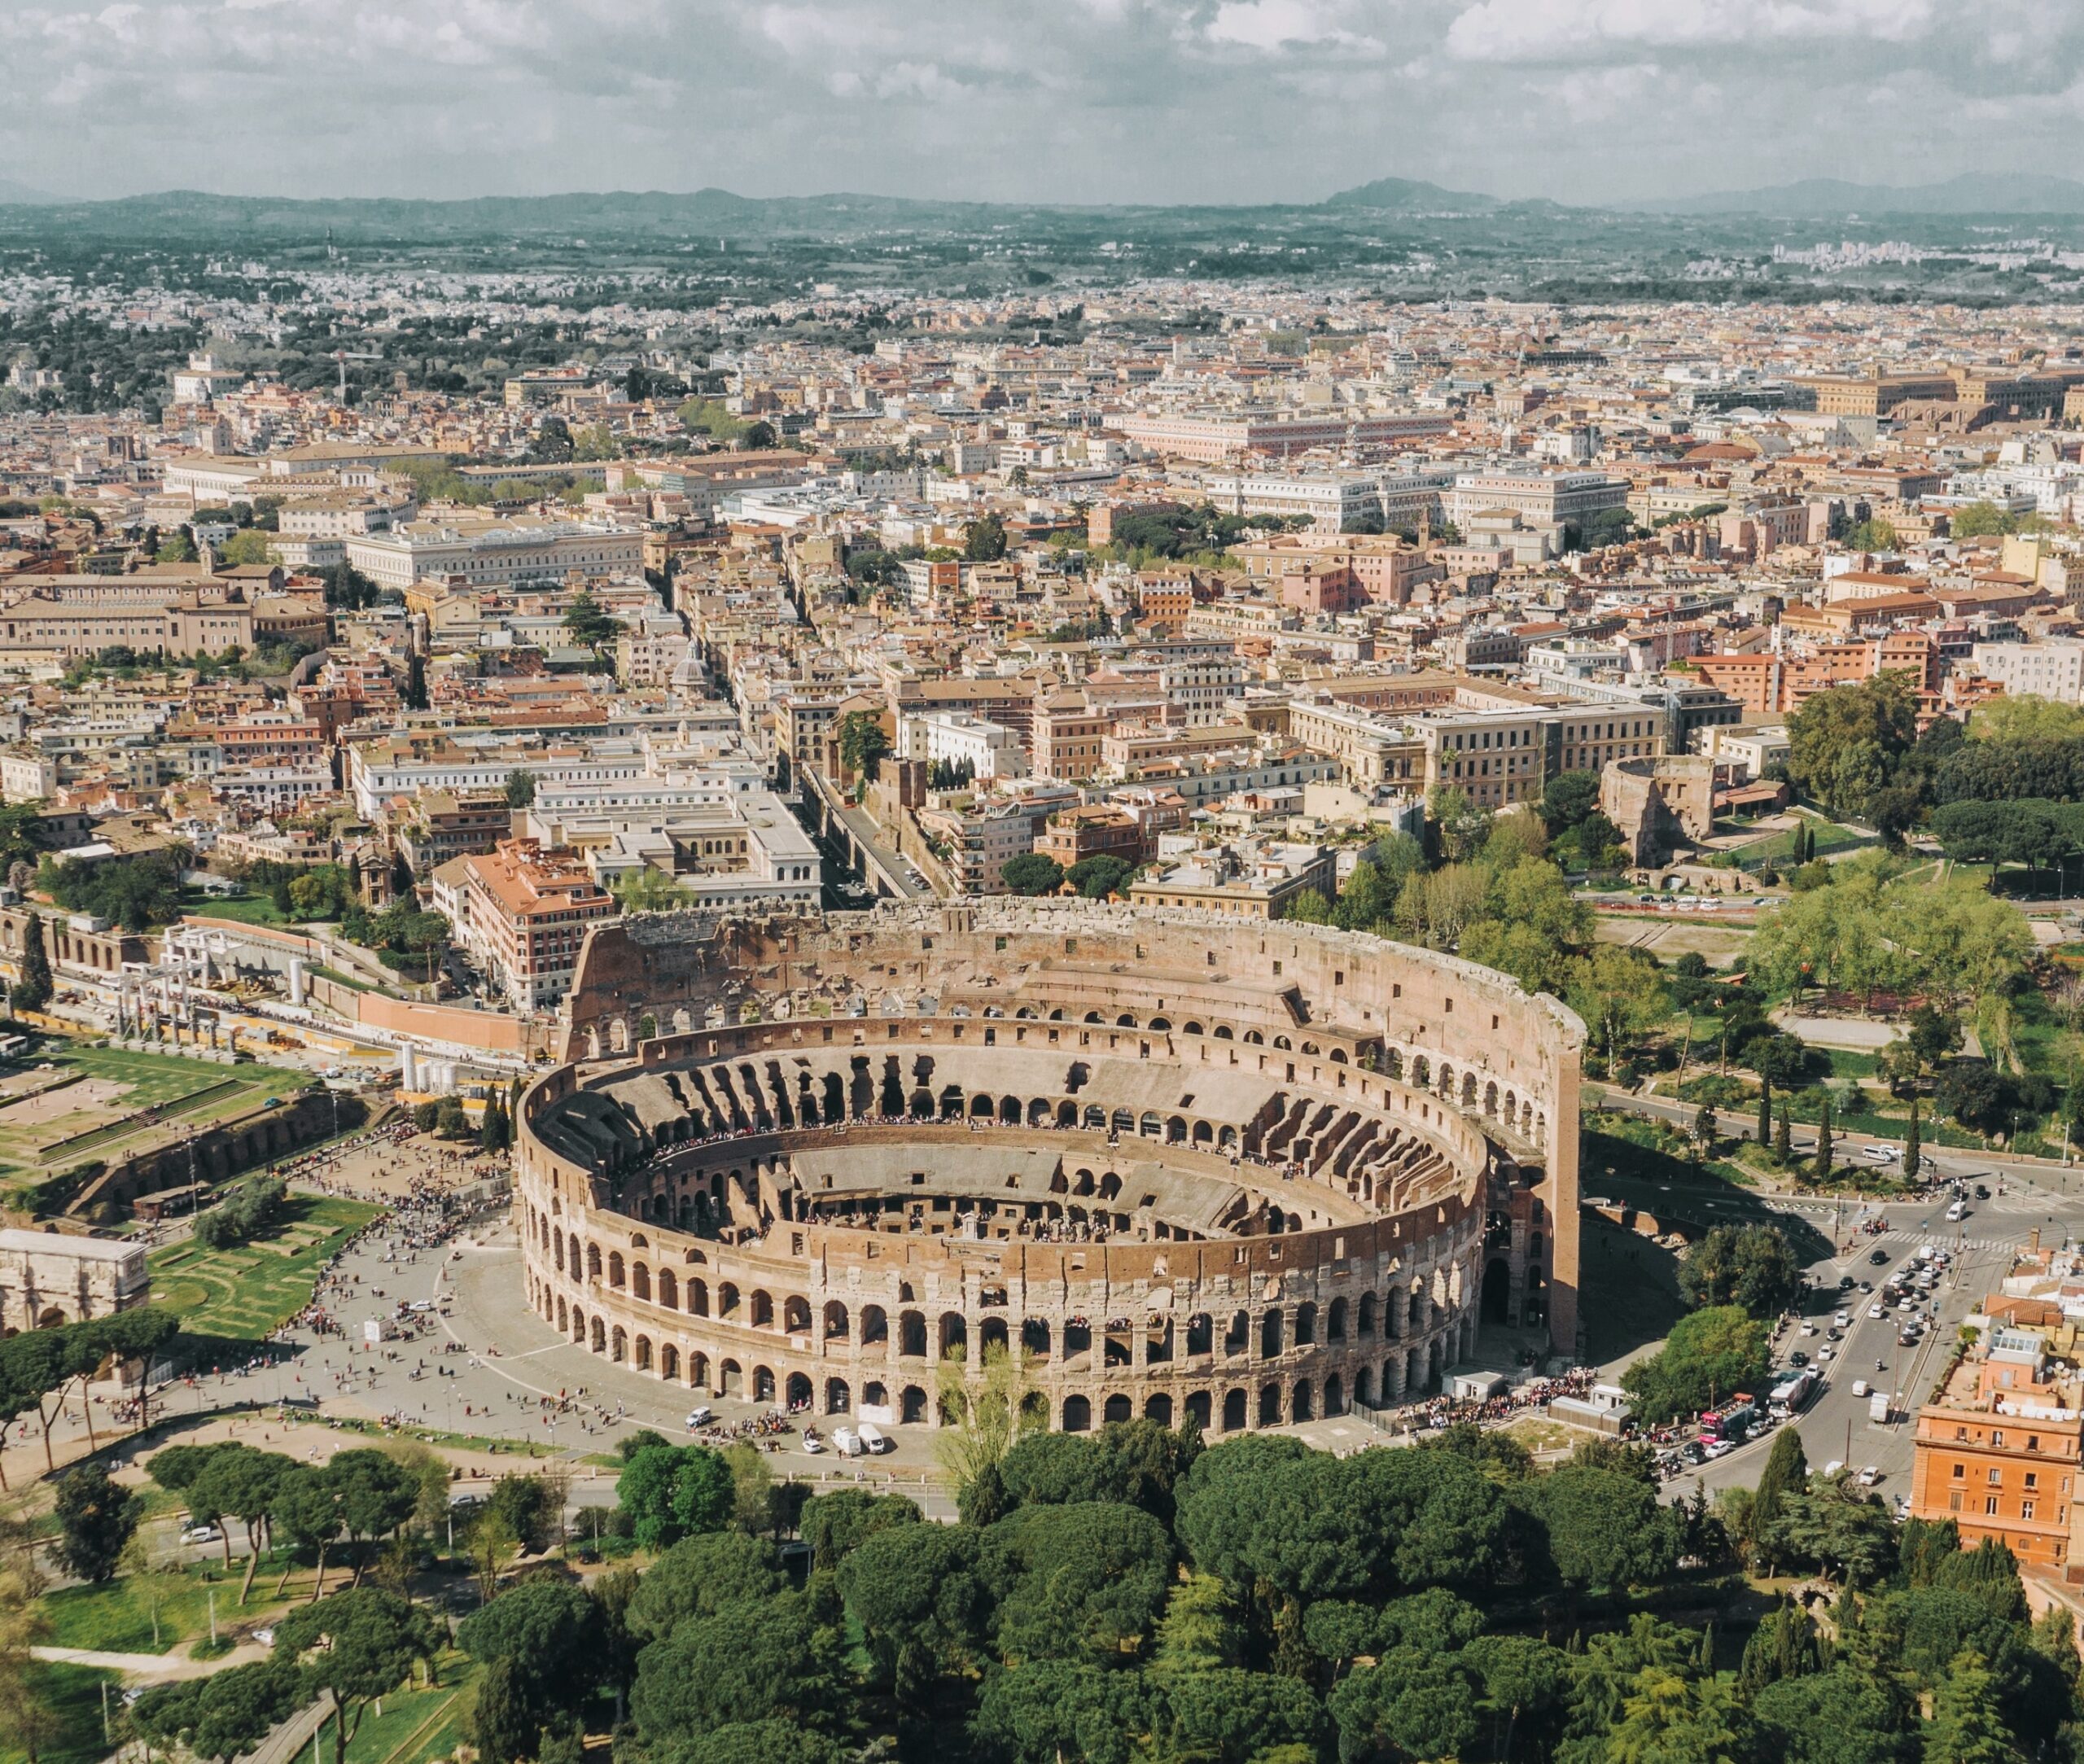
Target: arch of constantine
x,y
1182,1166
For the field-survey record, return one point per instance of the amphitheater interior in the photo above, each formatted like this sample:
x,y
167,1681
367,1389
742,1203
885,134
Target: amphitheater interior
x,y
1173,1165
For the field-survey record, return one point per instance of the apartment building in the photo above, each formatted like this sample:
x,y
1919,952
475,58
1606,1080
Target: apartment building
x,y
1537,499
2051,668
1216,436
520,912
956,738
1997,1453
495,554
1068,736
1371,747
1247,881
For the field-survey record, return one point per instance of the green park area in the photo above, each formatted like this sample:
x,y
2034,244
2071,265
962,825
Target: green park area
x,y
244,1291
67,1105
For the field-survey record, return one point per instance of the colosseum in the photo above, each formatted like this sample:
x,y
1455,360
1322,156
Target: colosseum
x,y
1252,1174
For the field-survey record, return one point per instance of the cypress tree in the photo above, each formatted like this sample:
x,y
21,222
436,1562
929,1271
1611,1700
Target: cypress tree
x,y
1786,1473
1913,1152
1765,1108
1782,1140
1823,1146
32,991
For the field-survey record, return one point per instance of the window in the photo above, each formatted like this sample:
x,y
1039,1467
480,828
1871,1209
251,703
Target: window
x,y
1996,1477
1989,1507
1960,1470
2026,1509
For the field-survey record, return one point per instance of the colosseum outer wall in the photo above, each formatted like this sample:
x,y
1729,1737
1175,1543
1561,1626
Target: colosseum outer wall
x,y
1460,1055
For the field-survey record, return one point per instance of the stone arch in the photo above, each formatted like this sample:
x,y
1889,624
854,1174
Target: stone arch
x,y
835,1320
798,1390
669,1362
1117,1407
1077,1414
642,1360
599,1339
911,1404
1235,1409
838,1400
619,1345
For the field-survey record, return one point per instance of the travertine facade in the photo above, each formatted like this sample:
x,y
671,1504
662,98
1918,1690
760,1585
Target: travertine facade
x,y
1249,1174
47,1278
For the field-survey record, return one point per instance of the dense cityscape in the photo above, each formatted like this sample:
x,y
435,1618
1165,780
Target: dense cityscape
x,y
838,979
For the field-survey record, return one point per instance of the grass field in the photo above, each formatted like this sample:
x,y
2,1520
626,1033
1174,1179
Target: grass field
x,y
73,1695
113,1618
417,1724
248,909
84,1125
244,1293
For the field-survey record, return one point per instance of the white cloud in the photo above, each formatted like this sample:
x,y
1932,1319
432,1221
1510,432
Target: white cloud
x,y
1270,25
1553,30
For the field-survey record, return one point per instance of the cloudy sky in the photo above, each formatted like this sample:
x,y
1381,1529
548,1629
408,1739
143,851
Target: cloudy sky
x,y
1074,100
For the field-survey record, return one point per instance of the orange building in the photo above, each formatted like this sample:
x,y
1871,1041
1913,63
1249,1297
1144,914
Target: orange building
x,y
1998,1453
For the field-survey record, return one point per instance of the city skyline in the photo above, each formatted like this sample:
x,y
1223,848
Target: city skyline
x,y
1100,101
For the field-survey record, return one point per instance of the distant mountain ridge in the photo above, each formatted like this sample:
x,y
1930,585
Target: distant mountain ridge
x,y
664,214
1409,195
1971,192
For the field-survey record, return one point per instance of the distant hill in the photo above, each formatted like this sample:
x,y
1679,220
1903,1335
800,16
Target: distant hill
x,y
1409,195
20,196
1971,192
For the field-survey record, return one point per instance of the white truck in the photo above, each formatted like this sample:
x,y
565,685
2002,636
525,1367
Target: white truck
x,y
1877,1406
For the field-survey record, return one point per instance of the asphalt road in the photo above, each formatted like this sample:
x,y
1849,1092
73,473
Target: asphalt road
x,y
1837,1426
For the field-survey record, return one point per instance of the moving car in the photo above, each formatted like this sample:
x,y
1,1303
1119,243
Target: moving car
x,y
700,1415
1879,1258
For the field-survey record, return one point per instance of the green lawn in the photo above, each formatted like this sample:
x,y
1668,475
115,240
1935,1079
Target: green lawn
x,y
247,909
246,1293
73,1695
113,1618
1776,848
416,1725
84,1121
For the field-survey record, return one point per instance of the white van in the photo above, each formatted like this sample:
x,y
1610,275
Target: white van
x,y
872,1440
700,1415
1860,1387
1958,1211
845,1441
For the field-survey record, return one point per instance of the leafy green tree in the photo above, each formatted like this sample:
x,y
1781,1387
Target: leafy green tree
x,y
1604,1528
671,1491
920,1602
360,1643
1307,906
375,1498
984,539
863,743
1099,876
503,1728
749,1662
1462,825
1709,1354
1568,798
835,1525
95,1519
1620,996
241,1483
1838,1717
1087,1580
306,1512
1844,743
1871,536
1032,873
546,1633
1753,1266
1052,1710
1968,1724
31,992
698,1576
1228,1716
520,788
1786,1473
646,890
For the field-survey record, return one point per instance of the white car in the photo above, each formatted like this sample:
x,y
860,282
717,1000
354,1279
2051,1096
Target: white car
x,y
1823,1353
813,1447
1876,1310
1868,1477
1880,1152
202,1534
1809,1328
1843,1319
701,1415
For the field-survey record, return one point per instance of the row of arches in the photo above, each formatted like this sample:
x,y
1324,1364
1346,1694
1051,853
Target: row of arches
x,y
1273,1404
